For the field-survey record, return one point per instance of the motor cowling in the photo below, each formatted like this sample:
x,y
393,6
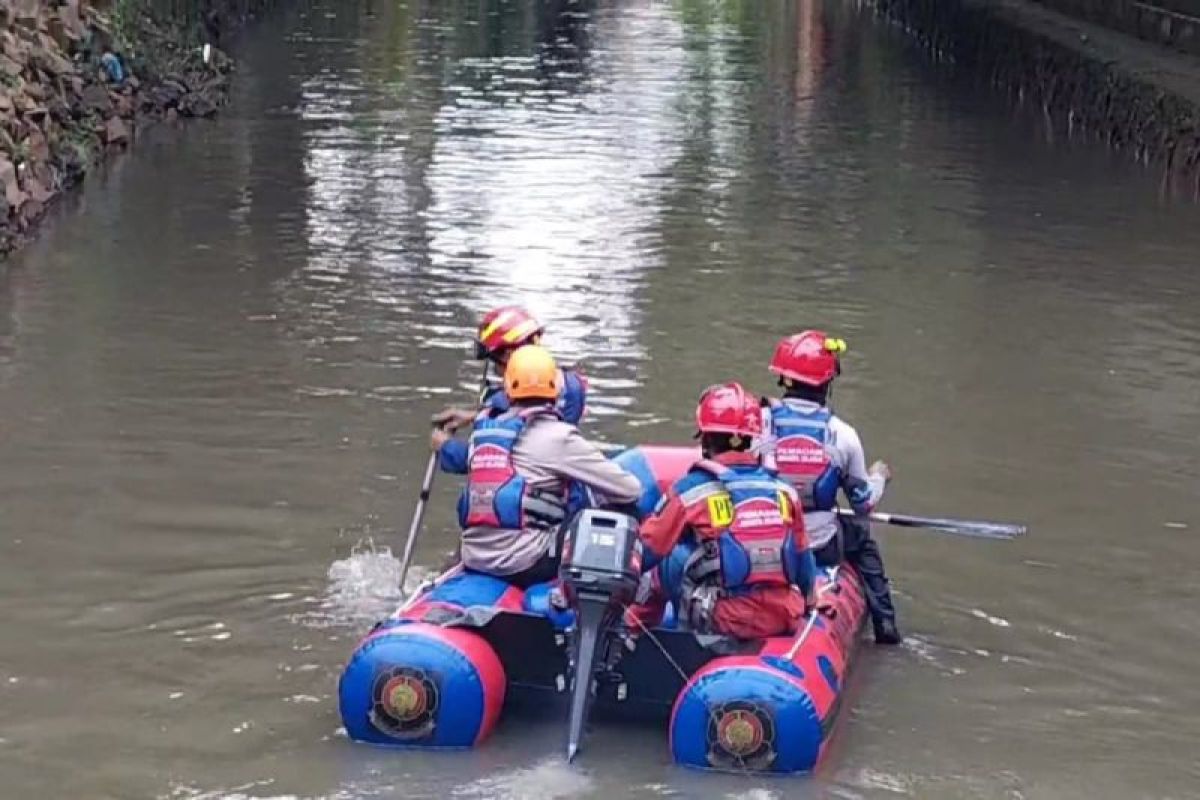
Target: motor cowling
x,y
600,568
602,557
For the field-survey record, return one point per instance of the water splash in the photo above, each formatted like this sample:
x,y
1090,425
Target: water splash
x,y
363,588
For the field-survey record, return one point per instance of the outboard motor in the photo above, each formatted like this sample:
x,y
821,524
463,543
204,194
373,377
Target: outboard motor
x,y
600,569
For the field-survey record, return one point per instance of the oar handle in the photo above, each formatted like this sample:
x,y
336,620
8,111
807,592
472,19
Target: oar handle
x,y
414,527
963,527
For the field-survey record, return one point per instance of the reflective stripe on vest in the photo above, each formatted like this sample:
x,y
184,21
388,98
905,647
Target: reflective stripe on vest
x,y
802,456
746,509
496,495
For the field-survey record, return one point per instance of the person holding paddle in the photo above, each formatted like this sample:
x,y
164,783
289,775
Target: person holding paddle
x,y
820,454
501,332
523,466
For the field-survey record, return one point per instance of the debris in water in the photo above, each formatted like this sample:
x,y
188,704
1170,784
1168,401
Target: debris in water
x,y
1178,526
302,698
999,622
1057,634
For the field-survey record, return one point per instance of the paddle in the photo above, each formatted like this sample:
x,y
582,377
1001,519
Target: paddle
x,y
960,527
426,485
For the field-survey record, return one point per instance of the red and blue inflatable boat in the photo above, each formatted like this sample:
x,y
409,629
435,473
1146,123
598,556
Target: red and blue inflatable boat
x,y
443,668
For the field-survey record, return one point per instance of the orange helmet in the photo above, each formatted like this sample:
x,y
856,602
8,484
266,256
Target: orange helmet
x,y
531,374
504,328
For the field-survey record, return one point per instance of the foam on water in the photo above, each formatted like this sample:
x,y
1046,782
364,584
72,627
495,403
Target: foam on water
x,y
756,793
549,780
251,791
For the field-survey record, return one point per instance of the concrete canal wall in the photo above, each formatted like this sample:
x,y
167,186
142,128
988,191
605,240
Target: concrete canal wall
x,y
1085,76
1174,23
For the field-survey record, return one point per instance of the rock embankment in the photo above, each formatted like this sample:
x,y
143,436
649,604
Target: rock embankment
x,y
70,93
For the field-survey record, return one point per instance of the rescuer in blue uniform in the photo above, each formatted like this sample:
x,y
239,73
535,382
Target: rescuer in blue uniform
x,y
501,332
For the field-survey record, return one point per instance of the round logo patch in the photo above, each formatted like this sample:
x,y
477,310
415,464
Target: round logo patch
x,y
741,736
404,703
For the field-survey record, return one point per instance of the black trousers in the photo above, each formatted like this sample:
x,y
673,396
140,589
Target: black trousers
x,y
858,548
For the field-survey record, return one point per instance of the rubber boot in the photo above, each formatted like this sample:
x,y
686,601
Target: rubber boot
x,y
886,631
863,552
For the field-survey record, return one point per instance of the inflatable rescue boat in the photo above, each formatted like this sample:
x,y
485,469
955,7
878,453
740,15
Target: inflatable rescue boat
x,y
441,670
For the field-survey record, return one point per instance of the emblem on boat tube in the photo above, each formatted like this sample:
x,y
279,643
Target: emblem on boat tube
x,y
741,736
404,703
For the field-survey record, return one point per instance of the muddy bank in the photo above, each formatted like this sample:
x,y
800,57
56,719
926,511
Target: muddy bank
x,y
77,80
1086,80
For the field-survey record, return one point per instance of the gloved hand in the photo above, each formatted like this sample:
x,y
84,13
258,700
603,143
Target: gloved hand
x,y
453,418
882,469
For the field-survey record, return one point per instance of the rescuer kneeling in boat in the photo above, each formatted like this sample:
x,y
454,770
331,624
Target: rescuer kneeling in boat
x,y
522,466
819,454
730,540
501,332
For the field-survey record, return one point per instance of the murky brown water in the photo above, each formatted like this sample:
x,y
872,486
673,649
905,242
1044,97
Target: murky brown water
x,y
215,376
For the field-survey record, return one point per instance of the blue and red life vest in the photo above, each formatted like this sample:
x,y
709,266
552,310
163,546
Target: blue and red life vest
x,y
746,517
802,442
496,495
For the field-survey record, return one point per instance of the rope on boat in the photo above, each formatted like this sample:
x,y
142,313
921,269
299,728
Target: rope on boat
x,y
661,648
812,616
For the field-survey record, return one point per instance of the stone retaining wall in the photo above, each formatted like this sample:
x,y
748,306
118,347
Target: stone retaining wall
x,y
1125,93
70,92
1175,23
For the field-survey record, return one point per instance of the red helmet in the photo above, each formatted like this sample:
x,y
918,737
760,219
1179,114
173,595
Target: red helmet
x,y
810,357
504,328
728,408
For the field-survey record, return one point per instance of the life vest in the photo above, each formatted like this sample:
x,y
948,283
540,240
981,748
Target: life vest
x,y
802,457
571,403
496,495
750,513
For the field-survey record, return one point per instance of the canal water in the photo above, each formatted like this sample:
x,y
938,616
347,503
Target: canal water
x,y
217,367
